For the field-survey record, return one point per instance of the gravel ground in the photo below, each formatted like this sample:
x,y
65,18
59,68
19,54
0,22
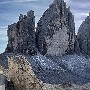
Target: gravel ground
x,y
60,70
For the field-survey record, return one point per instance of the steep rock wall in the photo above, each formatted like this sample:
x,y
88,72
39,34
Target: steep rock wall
x,y
21,35
56,30
55,33
83,36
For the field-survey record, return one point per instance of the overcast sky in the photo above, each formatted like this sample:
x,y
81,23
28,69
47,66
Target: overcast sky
x,y
10,10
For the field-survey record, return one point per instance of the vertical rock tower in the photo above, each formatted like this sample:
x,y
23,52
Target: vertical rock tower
x,y
21,35
56,30
83,36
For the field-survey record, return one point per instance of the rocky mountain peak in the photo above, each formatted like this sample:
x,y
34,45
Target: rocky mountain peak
x,y
30,13
21,35
58,2
54,34
56,30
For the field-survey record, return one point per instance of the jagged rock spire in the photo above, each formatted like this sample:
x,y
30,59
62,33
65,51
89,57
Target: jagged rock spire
x,y
54,35
30,13
56,30
21,35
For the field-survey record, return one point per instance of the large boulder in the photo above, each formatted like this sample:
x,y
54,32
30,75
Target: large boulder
x,y
56,30
21,35
83,36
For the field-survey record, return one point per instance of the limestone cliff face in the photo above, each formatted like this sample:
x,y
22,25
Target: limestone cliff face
x,y
56,30
21,35
84,36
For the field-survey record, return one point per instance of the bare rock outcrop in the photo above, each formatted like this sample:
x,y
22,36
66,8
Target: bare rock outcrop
x,y
56,30
55,33
84,36
21,35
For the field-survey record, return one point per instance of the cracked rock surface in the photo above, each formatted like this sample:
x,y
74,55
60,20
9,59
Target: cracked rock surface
x,y
56,30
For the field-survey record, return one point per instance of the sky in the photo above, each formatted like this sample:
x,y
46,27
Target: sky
x,y
11,9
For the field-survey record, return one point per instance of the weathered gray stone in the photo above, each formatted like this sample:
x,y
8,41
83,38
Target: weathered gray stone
x,y
56,30
21,35
76,46
84,36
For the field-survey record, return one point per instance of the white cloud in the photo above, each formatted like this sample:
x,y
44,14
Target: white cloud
x,y
3,27
81,14
5,2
